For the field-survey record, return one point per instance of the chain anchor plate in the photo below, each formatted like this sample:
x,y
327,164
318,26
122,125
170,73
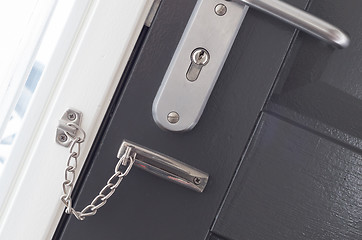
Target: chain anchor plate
x,y
67,128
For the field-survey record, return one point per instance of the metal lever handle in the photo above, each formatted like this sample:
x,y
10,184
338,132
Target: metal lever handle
x,y
301,20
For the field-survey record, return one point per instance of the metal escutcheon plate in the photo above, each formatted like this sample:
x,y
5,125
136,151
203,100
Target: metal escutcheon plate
x,y
211,27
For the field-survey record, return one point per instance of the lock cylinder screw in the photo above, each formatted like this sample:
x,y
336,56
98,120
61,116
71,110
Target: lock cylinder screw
x,y
220,9
173,117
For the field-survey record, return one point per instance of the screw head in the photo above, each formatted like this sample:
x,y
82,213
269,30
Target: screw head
x,y
173,117
197,180
200,56
62,138
72,116
220,9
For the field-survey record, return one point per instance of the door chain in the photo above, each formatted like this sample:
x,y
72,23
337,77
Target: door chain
x,y
106,192
70,134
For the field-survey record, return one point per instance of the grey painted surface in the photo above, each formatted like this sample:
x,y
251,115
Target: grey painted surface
x,y
213,236
294,184
146,207
320,87
301,177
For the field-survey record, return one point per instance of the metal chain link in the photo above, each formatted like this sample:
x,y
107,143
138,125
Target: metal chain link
x,y
106,192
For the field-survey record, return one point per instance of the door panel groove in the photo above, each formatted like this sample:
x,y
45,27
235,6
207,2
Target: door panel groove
x,y
316,132
256,125
291,46
293,184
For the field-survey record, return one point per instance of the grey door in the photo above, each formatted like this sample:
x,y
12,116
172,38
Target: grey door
x,y
281,138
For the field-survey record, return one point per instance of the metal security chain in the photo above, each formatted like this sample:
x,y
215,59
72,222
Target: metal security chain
x,y
107,191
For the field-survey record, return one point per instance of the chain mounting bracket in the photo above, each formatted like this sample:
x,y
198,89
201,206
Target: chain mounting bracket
x,y
66,130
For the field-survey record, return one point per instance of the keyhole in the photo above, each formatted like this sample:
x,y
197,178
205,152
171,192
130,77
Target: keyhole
x,y
199,58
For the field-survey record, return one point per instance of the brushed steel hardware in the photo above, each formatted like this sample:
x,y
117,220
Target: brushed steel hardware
x,y
173,117
208,37
165,167
220,9
205,30
67,129
129,155
199,58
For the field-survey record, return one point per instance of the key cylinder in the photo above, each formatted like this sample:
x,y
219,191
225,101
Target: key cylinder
x,y
200,57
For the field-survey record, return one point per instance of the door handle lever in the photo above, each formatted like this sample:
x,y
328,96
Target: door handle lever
x,y
301,20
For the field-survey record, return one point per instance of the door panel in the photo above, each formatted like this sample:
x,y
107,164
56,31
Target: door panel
x,y
320,87
146,207
294,184
301,177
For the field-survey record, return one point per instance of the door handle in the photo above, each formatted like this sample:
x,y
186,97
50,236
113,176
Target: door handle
x,y
204,47
301,20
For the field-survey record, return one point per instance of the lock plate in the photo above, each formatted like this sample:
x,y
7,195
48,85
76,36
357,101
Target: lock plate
x,y
191,76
